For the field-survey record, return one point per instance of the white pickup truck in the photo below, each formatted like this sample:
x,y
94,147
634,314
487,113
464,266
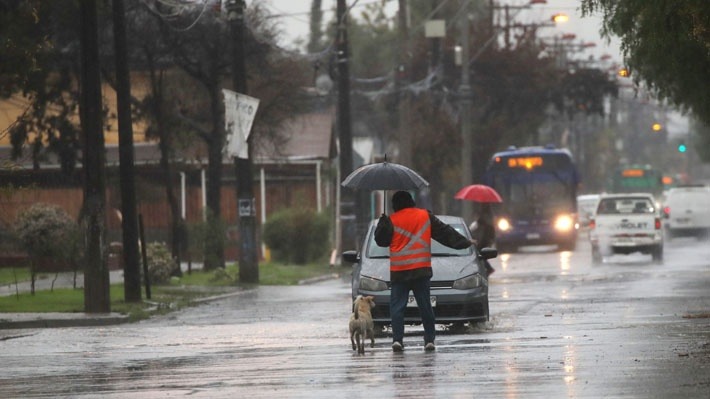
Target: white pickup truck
x,y
626,223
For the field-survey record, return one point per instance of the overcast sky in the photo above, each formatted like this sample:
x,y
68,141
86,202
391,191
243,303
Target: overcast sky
x,y
295,14
293,17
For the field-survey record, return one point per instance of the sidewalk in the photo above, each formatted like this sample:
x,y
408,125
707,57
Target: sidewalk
x,y
66,280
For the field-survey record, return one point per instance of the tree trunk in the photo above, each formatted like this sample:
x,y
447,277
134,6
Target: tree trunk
x,y
96,275
129,223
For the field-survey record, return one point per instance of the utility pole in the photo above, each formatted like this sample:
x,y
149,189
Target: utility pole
x,y
129,220
97,298
248,263
465,112
404,133
348,208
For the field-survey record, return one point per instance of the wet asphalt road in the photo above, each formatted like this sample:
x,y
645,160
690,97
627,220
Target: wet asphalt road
x,y
560,328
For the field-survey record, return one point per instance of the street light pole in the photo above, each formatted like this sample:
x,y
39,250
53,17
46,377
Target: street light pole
x,y
248,265
404,131
465,112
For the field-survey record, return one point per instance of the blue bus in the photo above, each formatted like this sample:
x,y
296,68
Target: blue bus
x,y
539,190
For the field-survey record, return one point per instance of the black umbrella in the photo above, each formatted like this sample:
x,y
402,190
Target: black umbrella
x,y
384,176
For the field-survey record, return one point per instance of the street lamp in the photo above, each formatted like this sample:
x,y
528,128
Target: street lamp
x,y
560,18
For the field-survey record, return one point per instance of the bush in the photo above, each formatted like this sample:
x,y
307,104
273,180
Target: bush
x,y
47,231
160,262
297,235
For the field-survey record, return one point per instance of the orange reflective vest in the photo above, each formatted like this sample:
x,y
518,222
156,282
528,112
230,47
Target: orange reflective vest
x,y
411,242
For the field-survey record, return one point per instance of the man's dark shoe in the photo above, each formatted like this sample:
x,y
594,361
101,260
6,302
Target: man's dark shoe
x,y
429,347
397,346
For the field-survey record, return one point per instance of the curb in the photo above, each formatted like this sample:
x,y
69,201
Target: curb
x,y
58,320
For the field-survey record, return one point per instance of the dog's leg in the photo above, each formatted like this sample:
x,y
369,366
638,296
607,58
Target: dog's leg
x,y
360,342
352,340
371,332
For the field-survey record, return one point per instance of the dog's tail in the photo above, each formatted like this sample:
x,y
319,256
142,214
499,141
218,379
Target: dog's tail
x,y
355,311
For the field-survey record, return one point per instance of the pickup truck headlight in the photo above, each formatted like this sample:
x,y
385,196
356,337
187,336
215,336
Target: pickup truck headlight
x,y
469,282
371,284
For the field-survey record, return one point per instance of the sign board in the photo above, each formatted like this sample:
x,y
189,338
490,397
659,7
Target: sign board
x,y
435,28
246,207
239,112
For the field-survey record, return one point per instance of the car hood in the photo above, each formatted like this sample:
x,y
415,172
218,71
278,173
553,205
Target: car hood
x,y
445,268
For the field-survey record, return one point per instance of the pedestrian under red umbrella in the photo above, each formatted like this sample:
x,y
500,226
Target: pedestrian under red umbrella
x,y
483,231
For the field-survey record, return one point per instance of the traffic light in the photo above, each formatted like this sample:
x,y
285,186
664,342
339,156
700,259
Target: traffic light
x,y
682,147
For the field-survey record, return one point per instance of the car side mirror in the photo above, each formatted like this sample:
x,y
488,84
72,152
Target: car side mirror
x,y
489,253
351,256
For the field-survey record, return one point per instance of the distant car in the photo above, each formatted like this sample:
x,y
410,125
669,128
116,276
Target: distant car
x,y
586,206
626,223
686,211
459,287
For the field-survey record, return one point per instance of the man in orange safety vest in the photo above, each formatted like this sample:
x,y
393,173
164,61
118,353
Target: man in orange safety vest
x,y
408,233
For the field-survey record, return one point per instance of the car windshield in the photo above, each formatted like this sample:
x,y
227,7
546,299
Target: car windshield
x,y
609,206
437,249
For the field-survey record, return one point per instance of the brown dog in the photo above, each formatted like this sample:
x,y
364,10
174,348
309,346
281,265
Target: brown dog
x,y
361,325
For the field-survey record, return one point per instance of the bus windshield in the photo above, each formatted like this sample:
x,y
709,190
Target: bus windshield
x,y
540,193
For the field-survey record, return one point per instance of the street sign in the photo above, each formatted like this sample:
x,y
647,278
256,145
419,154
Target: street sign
x,y
239,112
246,207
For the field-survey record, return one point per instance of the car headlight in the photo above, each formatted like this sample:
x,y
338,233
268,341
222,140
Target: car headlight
x,y
371,284
503,224
564,223
469,282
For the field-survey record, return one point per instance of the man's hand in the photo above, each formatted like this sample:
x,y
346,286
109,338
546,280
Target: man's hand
x,y
384,231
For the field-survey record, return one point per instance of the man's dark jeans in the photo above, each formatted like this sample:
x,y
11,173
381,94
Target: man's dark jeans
x,y
398,304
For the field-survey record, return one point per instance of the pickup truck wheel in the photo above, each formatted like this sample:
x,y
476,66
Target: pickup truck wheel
x,y
657,253
669,234
596,255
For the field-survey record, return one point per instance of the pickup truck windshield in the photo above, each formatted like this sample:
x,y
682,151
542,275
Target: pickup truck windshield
x,y
610,206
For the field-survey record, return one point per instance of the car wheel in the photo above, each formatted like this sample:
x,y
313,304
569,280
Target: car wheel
x,y
657,254
380,330
596,255
507,248
458,327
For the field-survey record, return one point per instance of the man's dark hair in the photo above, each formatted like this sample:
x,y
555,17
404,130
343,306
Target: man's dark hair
x,y
401,200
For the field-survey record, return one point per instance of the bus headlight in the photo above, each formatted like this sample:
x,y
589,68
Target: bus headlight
x,y
564,223
371,284
503,224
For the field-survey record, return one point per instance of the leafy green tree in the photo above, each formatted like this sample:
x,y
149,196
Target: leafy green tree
x,y
40,64
666,44
197,42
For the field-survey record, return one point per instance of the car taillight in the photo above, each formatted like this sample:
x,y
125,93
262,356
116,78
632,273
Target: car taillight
x,y
666,211
592,224
658,223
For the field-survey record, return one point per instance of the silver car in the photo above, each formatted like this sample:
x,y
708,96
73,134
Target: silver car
x,y
459,286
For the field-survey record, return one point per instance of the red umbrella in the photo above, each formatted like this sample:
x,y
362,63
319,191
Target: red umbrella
x,y
478,193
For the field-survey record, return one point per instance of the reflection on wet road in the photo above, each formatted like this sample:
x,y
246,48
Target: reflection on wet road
x,y
560,327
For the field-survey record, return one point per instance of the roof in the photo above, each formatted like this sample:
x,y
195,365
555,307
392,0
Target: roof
x,y
309,137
